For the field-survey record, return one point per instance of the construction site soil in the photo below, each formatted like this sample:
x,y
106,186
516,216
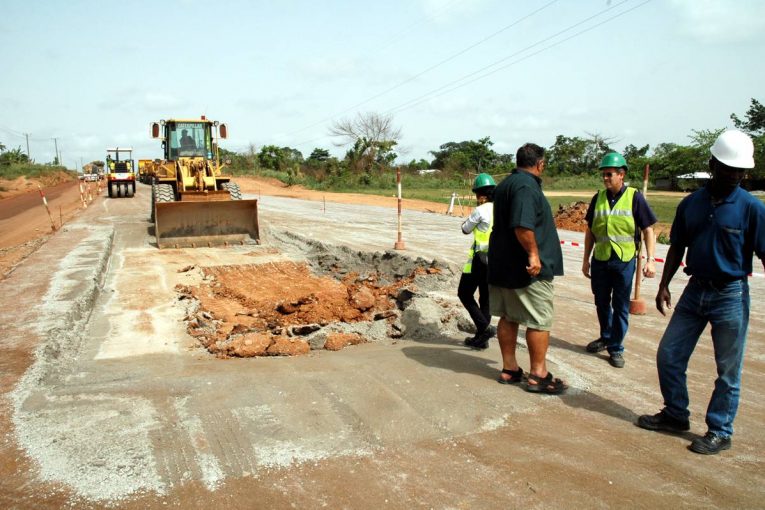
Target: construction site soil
x,y
133,377
283,308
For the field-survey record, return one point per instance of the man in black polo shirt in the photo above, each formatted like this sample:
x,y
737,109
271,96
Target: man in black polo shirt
x,y
524,256
722,226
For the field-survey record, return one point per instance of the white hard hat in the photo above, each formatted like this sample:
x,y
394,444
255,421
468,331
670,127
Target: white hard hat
x,y
734,148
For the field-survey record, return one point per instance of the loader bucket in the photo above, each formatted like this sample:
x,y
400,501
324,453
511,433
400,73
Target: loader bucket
x,y
194,224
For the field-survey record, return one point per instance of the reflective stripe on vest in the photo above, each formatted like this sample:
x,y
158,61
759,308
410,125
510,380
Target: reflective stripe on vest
x,y
480,243
614,229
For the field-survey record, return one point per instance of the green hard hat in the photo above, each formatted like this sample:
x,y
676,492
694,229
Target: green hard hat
x,y
613,160
483,181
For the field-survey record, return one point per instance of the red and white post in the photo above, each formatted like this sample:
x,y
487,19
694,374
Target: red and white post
x,y
45,203
399,244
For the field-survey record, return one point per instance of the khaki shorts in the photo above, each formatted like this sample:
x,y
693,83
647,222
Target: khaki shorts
x,y
530,306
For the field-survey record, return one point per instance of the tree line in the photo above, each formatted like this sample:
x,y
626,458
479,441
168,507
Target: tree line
x,y
371,142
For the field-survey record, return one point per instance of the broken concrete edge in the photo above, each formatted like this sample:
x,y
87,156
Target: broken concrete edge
x,y
63,314
339,262
320,257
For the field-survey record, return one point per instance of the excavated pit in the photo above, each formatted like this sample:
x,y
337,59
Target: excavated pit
x,y
572,216
332,299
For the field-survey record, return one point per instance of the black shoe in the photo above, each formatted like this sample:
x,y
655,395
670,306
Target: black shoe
x,y
481,341
480,345
662,421
710,444
596,345
470,341
616,359
490,332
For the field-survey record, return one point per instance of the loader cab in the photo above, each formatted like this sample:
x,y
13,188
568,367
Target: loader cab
x,y
188,139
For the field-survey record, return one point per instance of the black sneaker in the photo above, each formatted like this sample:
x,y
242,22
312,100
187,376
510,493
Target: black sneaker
x,y
710,444
470,341
616,359
596,345
662,421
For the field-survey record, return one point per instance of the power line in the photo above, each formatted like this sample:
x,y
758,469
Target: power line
x,y
430,95
438,91
434,66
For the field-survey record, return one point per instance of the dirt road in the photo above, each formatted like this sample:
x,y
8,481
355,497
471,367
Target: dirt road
x,y
107,401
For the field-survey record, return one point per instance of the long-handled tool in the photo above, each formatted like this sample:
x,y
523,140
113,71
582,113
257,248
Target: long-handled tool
x,y
637,304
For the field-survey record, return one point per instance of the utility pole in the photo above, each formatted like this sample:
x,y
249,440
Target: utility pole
x,y
55,142
27,137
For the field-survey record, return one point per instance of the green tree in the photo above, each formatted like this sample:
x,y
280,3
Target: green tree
x,y
462,158
755,119
631,152
415,165
318,156
13,156
567,156
279,158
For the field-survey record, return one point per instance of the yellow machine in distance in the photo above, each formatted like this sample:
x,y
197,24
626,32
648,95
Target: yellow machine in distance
x,y
193,202
120,177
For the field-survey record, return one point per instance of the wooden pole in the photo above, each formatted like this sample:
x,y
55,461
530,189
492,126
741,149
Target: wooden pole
x,y
637,305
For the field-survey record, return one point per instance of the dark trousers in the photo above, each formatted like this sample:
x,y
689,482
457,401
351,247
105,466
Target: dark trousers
x,y
469,282
611,283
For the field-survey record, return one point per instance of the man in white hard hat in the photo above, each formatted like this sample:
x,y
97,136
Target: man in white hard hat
x,y
722,226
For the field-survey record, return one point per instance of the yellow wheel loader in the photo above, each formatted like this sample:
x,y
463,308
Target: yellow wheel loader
x,y
193,202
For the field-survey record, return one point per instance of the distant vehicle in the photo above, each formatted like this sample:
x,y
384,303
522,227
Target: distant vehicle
x,y
91,173
120,178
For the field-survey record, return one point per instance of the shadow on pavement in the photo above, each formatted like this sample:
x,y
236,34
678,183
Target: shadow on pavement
x,y
457,359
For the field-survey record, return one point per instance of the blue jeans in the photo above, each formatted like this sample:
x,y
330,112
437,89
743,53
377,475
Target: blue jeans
x,y
611,283
726,307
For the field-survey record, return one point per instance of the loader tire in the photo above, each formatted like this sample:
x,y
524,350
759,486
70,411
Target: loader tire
x,y
111,190
153,201
233,190
165,193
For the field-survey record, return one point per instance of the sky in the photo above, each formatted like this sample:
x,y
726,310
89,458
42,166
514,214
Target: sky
x,y
95,74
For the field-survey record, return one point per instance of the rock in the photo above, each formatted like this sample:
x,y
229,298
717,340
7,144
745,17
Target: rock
x,y
248,345
304,329
363,299
422,319
317,340
283,346
403,298
336,341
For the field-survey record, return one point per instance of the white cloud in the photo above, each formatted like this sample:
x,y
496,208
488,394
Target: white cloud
x,y
721,21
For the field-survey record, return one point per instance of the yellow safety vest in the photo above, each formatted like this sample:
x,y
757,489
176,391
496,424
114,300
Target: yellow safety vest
x,y
480,244
614,228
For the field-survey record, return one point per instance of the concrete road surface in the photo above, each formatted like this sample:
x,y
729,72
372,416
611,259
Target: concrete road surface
x,y
107,402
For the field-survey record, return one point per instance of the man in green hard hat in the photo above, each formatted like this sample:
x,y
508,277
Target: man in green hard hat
x,y
474,272
616,217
